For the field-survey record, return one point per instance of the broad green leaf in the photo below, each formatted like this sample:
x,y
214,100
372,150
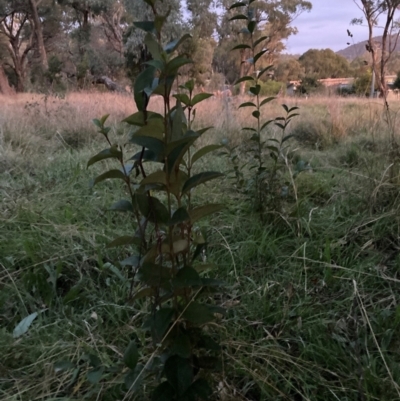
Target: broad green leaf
x,y
181,345
178,122
153,144
153,129
152,208
200,97
267,100
112,152
205,210
203,151
259,54
255,90
183,97
158,177
236,5
164,392
154,275
124,240
159,21
247,104
153,46
264,70
147,26
117,174
122,206
172,46
238,16
95,375
138,118
159,323
256,114
142,83
179,373
187,277
198,314
251,26
157,64
23,326
176,63
179,216
246,78
241,46
97,123
131,355
198,179
259,40
266,124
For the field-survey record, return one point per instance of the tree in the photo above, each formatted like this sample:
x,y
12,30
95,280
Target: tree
x,y
288,69
324,64
273,20
373,10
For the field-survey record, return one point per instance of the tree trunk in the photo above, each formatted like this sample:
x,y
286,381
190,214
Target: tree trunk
x,y
39,34
5,87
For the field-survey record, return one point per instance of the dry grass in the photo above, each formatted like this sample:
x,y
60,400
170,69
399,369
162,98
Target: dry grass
x,y
32,124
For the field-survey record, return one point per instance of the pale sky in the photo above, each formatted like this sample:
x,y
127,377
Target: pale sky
x,y
325,26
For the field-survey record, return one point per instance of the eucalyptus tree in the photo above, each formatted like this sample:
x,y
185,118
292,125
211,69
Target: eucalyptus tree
x,y
384,12
273,19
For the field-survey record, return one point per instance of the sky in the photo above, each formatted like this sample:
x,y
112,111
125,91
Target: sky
x,y
325,26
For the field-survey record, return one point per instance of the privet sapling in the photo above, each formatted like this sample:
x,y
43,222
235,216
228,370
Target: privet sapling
x,y
160,181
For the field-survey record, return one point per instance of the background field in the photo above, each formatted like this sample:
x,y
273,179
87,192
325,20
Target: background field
x,y
312,297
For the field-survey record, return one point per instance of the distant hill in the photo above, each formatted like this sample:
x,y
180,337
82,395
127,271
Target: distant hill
x,y
358,49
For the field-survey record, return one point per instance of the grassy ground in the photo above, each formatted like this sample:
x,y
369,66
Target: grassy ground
x,y
312,297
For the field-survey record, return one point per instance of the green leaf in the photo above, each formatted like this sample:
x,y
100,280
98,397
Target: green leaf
x,y
187,277
158,177
255,90
203,151
178,122
198,314
172,46
95,375
153,129
179,216
154,275
247,104
164,392
241,46
256,114
266,124
143,83
259,54
183,97
147,26
23,326
264,70
122,206
118,174
259,40
138,118
153,144
159,323
131,355
198,179
205,210
176,63
181,346
249,129
251,26
238,16
124,240
236,5
152,209
179,373
112,152
200,97
245,78
267,100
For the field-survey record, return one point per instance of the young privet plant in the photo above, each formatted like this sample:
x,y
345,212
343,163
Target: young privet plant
x,y
160,181
265,181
